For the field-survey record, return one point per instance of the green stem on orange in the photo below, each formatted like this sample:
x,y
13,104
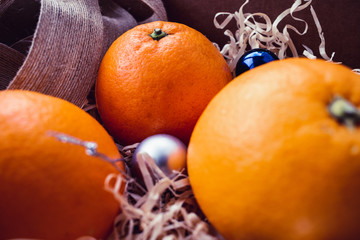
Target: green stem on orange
x,y
344,112
158,34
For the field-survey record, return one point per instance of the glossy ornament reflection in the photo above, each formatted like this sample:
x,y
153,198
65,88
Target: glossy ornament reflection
x,y
168,153
254,58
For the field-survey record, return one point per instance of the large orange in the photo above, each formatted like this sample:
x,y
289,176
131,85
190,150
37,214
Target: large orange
x,y
268,160
51,189
147,86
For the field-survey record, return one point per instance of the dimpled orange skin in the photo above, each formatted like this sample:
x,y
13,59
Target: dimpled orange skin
x,y
50,189
145,87
267,161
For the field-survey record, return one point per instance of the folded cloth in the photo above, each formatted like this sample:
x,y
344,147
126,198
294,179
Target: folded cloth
x,y
70,38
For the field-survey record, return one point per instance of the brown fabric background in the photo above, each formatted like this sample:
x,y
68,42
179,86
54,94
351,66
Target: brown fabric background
x,y
55,46
340,20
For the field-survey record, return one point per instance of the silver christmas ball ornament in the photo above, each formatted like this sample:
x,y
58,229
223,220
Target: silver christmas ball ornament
x,y
167,151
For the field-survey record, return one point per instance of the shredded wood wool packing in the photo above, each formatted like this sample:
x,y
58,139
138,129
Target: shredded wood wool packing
x,y
256,30
163,207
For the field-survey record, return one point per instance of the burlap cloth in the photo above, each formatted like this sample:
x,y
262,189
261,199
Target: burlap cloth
x,y
55,46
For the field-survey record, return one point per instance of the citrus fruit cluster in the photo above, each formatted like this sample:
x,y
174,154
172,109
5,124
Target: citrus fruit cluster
x,y
156,78
273,154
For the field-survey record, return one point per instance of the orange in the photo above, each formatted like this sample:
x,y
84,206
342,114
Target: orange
x,y
51,189
149,86
269,160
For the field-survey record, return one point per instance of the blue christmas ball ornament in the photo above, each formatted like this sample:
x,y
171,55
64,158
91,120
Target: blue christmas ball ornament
x,y
254,58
